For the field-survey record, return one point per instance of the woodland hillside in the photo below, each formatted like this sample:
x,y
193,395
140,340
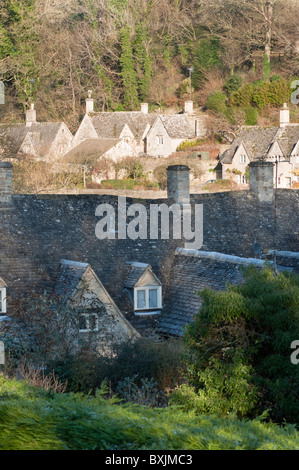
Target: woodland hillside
x,y
131,51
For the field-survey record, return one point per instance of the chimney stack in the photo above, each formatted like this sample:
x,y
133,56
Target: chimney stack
x,y
261,179
144,108
89,103
188,107
30,116
6,188
284,116
178,184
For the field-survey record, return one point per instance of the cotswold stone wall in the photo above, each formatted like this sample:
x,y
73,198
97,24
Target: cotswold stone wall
x,y
38,231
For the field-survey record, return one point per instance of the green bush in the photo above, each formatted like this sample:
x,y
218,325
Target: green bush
x,y
244,96
251,116
241,344
232,84
216,101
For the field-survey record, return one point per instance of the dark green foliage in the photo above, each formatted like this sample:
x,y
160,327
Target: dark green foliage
x,y
143,61
232,84
205,58
216,101
128,72
143,359
239,346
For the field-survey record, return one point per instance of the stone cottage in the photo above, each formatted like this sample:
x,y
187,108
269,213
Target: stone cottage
x,y
147,133
147,285
46,141
279,145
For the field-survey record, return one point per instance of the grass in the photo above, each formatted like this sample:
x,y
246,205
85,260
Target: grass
x,y
32,419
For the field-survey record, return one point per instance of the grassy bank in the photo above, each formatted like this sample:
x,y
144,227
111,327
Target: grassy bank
x,y
31,419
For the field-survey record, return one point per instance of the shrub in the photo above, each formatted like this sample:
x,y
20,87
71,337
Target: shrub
x,y
147,393
244,96
216,101
133,167
251,116
241,344
232,84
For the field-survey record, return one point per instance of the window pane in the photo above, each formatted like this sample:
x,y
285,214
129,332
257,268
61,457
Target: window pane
x,y
82,322
93,322
153,298
141,303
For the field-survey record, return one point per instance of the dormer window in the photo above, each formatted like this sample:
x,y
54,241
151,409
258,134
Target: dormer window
x,y
144,289
147,298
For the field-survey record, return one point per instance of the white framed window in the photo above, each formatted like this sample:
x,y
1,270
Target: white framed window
x,y
242,158
160,139
88,322
61,148
148,298
242,179
3,300
26,148
297,159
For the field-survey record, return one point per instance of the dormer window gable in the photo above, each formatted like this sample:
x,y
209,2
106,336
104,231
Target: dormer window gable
x,y
144,289
3,307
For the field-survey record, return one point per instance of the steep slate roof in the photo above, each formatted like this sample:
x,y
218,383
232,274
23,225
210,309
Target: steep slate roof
x,y
136,271
178,126
90,148
258,141
42,135
110,124
193,271
11,138
69,275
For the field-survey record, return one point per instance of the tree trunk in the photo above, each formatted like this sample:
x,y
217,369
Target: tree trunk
x,y
269,19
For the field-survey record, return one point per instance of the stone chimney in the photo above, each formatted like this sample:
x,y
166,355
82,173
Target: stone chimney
x,y
284,116
6,188
30,116
144,108
89,103
178,184
188,107
261,180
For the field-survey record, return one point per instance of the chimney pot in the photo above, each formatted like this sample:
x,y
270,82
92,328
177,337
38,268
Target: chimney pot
x,y
30,116
144,108
284,115
89,103
188,107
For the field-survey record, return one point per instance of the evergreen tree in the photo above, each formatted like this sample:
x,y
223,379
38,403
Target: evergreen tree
x,y
143,61
128,72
